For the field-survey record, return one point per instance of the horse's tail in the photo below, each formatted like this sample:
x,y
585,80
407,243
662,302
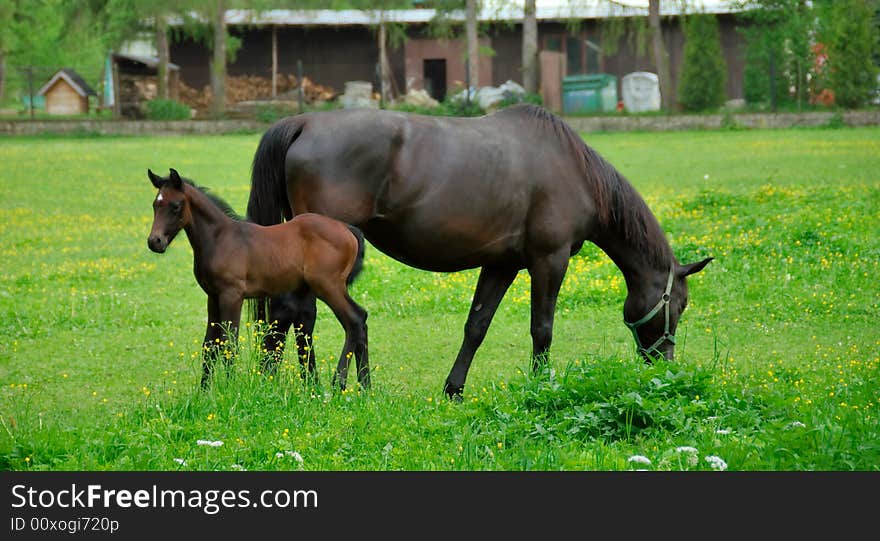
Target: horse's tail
x,y
267,204
359,260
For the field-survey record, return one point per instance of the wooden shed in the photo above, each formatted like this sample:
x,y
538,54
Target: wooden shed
x,y
134,81
66,93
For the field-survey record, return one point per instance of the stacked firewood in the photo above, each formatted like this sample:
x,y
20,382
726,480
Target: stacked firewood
x,y
241,88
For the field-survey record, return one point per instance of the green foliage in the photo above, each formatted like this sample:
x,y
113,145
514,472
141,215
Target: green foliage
x,y
271,113
703,76
159,109
449,107
778,56
850,31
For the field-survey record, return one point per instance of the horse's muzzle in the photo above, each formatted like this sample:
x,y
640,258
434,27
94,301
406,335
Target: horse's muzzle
x,y
157,244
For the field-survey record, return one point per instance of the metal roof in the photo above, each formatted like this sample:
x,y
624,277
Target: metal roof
x,y
491,10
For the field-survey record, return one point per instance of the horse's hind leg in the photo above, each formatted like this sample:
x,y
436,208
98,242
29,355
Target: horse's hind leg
x,y
547,273
491,287
296,309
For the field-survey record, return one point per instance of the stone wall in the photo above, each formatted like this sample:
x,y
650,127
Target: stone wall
x,y
581,124
710,122
128,127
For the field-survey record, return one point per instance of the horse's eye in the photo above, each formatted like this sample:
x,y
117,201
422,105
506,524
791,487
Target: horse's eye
x,y
176,206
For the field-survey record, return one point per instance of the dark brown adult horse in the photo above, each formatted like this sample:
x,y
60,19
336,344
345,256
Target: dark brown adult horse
x,y
235,260
511,190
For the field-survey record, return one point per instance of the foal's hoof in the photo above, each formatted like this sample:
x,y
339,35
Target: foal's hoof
x,y
454,393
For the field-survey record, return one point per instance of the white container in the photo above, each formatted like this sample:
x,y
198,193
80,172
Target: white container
x,y
641,92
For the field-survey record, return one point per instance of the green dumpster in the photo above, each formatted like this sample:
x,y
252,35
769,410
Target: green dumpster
x,y
594,93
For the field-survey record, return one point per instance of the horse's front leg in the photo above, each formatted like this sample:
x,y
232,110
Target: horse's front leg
x,y
547,273
491,287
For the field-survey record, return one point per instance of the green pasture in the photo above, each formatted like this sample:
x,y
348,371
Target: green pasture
x,y
776,368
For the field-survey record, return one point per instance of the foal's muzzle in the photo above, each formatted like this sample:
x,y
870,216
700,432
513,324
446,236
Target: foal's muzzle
x,y
157,244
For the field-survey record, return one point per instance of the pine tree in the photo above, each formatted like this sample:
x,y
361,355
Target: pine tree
x,y
704,72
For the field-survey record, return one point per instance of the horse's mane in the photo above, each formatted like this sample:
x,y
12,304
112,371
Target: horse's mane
x,y
618,205
216,199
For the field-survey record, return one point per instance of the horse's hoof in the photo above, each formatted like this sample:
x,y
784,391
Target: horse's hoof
x,y
454,393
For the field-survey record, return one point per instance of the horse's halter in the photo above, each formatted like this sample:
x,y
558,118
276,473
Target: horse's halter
x,y
663,303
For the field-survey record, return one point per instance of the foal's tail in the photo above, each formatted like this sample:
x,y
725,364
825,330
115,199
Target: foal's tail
x,y
359,260
267,204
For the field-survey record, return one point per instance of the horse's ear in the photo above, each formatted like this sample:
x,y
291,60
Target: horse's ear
x,y
175,180
155,179
693,268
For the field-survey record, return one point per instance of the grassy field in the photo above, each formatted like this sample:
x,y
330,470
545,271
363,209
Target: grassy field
x,y
776,369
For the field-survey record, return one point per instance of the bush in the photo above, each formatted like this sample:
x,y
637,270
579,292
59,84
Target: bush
x,y
848,31
704,73
159,109
272,113
778,55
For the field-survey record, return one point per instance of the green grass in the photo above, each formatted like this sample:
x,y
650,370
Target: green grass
x,y
776,369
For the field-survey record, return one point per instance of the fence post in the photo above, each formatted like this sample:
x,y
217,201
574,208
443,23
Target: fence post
x,y
30,79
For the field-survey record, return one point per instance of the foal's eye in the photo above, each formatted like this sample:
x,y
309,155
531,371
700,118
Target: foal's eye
x,y
176,206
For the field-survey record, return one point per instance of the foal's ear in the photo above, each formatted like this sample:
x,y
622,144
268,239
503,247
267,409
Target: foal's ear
x,y
155,179
693,268
175,180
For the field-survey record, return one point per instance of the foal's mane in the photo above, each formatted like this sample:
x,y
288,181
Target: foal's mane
x,y
216,199
619,206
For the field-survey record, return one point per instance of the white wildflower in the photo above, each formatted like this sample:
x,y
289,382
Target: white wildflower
x,y
180,461
722,431
238,467
293,454
796,424
209,443
716,462
639,459
686,449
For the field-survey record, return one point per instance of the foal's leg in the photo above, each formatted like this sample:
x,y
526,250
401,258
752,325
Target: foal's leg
x,y
491,287
354,320
211,344
229,304
360,348
547,272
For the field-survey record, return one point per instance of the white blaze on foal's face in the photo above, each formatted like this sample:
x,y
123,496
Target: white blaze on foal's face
x,y
159,197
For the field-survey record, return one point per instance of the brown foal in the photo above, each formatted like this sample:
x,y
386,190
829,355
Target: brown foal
x,y
235,260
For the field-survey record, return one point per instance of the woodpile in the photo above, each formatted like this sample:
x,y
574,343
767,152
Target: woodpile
x,y
242,88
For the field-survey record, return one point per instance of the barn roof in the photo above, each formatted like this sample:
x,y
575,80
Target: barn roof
x,y
490,10
73,79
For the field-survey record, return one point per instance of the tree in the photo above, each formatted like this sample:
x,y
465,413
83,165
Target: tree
x,y
530,48
778,56
704,70
217,16
661,56
473,46
848,29
7,9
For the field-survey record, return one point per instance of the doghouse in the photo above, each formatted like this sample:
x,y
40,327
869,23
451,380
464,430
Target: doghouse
x,y
66,93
